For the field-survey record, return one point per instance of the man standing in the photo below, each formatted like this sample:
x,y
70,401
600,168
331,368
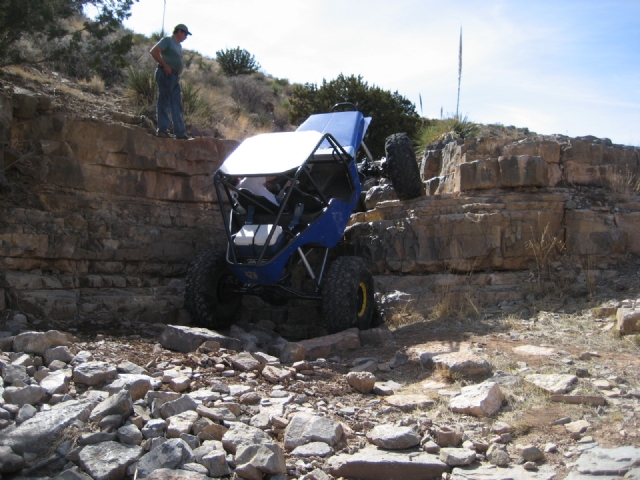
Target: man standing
x,y
168,53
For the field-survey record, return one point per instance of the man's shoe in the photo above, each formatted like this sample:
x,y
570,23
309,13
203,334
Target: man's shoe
x,y
163,135
183,137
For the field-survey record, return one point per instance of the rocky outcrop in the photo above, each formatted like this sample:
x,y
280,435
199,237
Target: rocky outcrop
x,y
491,230
101,218
457,165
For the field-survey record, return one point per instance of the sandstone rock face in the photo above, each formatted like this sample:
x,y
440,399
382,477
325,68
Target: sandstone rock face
x,y
120,214
118,209
476,164
434,234
503,172
488,231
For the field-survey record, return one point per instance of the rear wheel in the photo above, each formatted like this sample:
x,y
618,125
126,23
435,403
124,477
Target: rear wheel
x,y
402,168
209,297
347,295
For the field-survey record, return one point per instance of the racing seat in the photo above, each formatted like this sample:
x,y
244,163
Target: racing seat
x,y
247,199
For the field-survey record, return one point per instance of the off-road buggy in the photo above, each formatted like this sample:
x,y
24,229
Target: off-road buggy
x,y
315,173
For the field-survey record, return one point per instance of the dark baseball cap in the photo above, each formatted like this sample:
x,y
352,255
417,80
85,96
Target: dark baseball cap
x,y
183,27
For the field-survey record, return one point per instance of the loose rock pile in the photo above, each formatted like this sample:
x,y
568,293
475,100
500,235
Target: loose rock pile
x,y
221,407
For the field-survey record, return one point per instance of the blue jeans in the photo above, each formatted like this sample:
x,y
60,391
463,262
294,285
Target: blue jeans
x,y
169,100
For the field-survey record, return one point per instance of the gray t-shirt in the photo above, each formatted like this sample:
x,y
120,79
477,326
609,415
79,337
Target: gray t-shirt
x,y
171,52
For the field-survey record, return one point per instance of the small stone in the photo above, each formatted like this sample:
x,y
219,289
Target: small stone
x,y
457,456
448,437
483,399
530,453
25,413
497,455
501,427
313,449
579,426
392,437
180,383
534,350
363,382
552,383
386,388
431,447
562,421
409,402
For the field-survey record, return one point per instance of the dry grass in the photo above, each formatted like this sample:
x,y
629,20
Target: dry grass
x,y
546,249
446,374
31,75
455,301
588,267
403,316
580,330
95,85
624,185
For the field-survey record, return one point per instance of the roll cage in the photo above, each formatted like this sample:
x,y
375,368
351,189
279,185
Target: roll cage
x,y
319,183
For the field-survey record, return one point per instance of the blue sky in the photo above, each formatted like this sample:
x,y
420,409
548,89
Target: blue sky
x,y
563,66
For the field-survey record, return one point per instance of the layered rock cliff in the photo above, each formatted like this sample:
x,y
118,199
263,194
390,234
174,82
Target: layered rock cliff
x,y
102,220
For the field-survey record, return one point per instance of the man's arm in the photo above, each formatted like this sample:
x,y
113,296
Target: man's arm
x,y
156,53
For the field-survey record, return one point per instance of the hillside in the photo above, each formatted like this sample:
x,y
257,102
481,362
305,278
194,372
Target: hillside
x,y
510,295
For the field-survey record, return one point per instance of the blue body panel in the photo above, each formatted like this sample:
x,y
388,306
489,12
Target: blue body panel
x,y
348,128
326,230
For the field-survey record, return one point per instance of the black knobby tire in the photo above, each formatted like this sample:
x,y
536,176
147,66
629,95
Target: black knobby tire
x,y
347,295
208,298
402,168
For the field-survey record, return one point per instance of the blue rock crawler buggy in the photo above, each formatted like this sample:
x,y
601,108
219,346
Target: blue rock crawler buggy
x,y
317,180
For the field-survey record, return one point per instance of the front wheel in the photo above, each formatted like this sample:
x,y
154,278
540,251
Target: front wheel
x,y
402,167
347,295
209,296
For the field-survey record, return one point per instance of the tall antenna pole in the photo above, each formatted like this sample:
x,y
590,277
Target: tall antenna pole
x,y
459,73
163,10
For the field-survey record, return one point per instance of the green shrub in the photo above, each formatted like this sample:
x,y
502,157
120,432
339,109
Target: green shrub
x,y
236,61
202,65
192,102
141,86
435,130
157,36
254,95
52,26
391,112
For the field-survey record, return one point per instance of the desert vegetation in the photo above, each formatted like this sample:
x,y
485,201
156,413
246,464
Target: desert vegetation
x,y
230,95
